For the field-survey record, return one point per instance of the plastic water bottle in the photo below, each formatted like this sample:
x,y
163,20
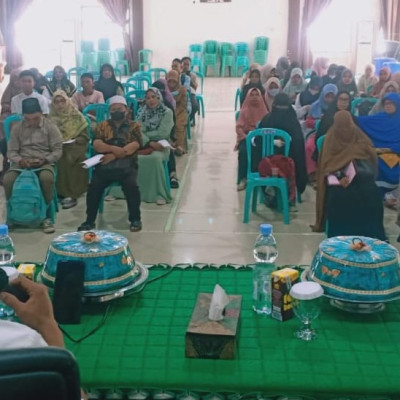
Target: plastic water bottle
x,y
7,250
265,254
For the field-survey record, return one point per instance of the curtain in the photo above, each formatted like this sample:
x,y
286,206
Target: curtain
x,y
118,11
311,10
10,11
390,19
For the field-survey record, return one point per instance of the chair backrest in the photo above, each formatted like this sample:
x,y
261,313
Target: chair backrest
x,y
261,43
77,71
210,47
142,73
118,74
237,115
87,46
157,73
7,124
49,75
101,110
103,44
141,82
137,94
195,50
265,138
44,373
356,103
227,49
96,75
320,142
128,87
145,56
201,76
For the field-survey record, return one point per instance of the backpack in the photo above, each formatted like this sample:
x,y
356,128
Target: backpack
x,y
26,205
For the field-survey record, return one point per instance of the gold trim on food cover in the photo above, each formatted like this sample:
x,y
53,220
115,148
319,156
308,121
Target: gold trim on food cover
x,y
86,255
346,263
94,283
351,291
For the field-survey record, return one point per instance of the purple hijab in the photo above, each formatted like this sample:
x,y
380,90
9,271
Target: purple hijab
x,y
166,92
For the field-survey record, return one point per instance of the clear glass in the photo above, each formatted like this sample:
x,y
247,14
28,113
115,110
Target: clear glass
x,y
306,311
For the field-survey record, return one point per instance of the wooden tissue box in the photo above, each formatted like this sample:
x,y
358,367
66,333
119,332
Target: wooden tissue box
x,y
213,339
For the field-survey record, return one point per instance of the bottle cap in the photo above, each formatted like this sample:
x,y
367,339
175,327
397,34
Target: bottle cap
x,y
3,230
265,229
306,291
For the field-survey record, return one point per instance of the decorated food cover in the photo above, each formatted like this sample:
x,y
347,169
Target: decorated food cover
x,y
358,269
109,263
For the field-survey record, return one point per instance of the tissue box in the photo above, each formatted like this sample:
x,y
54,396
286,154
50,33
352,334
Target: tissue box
x,y
213,339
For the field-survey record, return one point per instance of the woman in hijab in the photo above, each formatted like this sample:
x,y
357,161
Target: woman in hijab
x,y
282,66
347,83
267,71
388,87
13,88
272,88
251,113
41,83
254,82
383,129
156,122
352,206
295,85
72,179
320,67
107,83
179,92
385,75
307,97
330,76
61,82
246,76
339,72
284,117
367,81
293,65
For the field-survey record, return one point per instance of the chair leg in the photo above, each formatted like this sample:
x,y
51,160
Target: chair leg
x,y
166,173
254,202
246,210
285,203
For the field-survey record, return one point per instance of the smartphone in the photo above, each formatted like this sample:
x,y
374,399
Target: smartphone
x,y
68,292
5,286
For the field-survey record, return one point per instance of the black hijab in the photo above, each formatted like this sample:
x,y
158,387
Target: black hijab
x,y
107,86
351,87
306,98
249,86
288,72
66,85
284,117
332,70
40,81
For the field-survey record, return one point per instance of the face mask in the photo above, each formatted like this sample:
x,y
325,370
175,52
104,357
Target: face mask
x,y
313,92
332,76
117,115
273,92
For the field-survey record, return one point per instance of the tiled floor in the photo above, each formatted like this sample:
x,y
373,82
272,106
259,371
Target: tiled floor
x,y
204,221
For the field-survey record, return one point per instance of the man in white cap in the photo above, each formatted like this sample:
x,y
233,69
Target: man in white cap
x,y
119,140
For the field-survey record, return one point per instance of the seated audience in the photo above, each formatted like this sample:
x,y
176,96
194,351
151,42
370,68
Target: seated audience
x,y
347,83
254,82
251,113
27,84
72,179
88,95
60,81
367,80
284,117
320,67
388,87
307,97
41,83
186,70
246,75
267,71
272,88
330,76
383,129
34,142
156,121
119,140
180,95
354,206
385,75
107,83
184,79
286,79
339,72
282,66
295,85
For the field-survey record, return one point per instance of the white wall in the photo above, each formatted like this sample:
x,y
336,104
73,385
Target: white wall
x,y
171,25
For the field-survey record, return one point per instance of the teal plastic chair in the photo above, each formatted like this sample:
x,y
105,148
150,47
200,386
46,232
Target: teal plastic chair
x,y
102,111
242,57
261,47
237,115
255,181
227,58
260,57
157,73
118,74
49,75
89,61
96,75
103,44
141,82
145,59
237,98
142,73
7,124
357,102
128,87
320,142
196,55
199,97
87,46
104,57
134,98
77,72
120,61
210,56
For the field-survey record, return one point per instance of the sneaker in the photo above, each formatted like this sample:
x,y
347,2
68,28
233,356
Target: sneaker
x,y
241,186
86,226
69,202
136,226
161,202
109,198
174,183
48,226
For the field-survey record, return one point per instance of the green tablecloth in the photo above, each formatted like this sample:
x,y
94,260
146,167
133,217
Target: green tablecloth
x,y
142,344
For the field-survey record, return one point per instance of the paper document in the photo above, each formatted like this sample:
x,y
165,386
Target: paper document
x,y
92,161
349,171
69,141
164,143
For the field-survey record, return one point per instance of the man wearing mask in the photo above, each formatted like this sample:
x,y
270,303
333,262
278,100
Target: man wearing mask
x,y
35,142
118,139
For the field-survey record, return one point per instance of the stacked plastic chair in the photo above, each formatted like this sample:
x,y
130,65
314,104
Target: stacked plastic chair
x,y
77,72
210,56
145,59
227,58
120,61
157,73
87,57
261,47
104,54
242,57
196,55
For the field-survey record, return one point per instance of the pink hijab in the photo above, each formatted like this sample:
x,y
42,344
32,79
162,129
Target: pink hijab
x,y
320,66
167,92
